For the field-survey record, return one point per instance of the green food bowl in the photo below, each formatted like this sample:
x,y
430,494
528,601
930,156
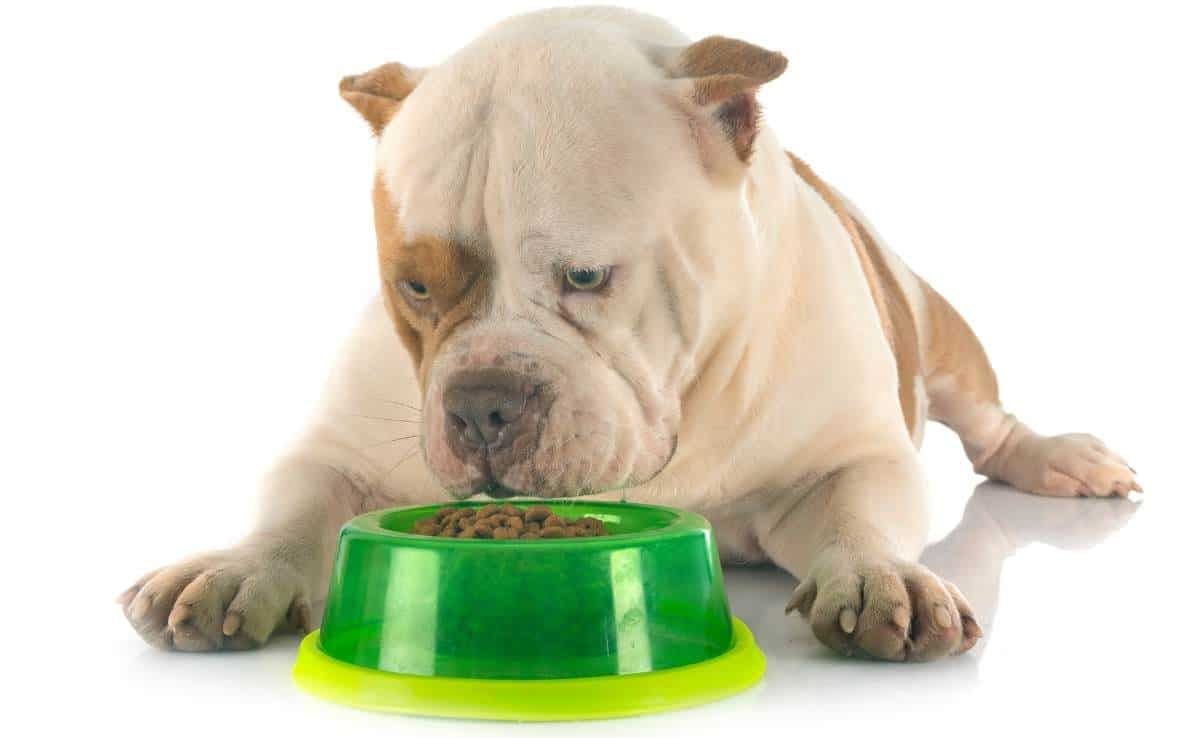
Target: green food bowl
x,y
549,629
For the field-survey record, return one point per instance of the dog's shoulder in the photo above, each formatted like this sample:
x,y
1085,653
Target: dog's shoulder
x,y
897,316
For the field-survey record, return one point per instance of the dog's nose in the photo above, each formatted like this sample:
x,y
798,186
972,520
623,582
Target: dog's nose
x,y
480,405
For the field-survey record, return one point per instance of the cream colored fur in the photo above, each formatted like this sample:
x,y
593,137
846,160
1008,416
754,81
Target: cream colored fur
x,y
776,384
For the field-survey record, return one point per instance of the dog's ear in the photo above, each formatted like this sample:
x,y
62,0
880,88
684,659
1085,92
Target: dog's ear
x,y
377,94
717,78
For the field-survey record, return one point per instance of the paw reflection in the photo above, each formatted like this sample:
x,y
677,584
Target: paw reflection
x,y
999,520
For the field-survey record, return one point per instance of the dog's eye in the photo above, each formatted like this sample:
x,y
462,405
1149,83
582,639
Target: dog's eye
x,y
586,280
416,290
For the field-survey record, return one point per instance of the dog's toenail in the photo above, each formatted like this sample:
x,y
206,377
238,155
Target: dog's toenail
x,y
900,618
942,617
971,628
233,621
848,619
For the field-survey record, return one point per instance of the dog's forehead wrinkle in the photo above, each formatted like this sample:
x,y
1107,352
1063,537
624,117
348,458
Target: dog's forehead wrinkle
x,y
582,137
597,247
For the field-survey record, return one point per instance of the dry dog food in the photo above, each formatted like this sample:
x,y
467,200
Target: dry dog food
x,y
506,522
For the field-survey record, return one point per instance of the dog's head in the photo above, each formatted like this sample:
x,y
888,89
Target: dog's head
x,y
558,222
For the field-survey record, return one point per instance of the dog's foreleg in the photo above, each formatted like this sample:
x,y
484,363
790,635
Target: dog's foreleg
x,y
853,540
238,597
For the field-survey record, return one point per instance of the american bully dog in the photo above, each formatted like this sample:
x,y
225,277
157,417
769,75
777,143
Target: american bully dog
x,y
602,274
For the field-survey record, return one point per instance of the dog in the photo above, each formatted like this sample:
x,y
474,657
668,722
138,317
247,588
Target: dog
x,y
602,274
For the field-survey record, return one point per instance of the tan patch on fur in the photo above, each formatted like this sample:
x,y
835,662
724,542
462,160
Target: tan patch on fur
x,y
377,94
895,314
903,336
453,276
726,72
953,350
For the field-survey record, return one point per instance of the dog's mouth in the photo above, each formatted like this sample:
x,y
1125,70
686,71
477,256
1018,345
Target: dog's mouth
x,y
510,431
491,487
498,491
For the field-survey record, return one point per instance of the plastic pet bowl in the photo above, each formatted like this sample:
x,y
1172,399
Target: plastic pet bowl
x,y
552,629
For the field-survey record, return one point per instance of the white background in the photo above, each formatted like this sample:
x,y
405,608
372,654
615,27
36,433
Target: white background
x,y
186,239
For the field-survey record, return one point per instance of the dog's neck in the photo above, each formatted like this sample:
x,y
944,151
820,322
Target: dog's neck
x,y
752,407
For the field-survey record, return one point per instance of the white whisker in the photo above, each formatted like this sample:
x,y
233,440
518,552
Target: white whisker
x,y
416,447
390,440
380,417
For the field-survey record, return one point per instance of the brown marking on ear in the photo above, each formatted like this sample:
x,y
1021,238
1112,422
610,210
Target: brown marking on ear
x,y
895,313
718,55
727,72
718,88
739,117
453,276
377,94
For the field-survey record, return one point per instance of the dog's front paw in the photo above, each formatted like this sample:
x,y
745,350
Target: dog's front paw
x,y
884,608
233,599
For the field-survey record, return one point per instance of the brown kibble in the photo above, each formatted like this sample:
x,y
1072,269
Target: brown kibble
x,y
538,513
506,522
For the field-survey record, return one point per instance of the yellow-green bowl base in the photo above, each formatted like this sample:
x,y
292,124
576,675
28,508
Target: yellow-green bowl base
x,y
582,698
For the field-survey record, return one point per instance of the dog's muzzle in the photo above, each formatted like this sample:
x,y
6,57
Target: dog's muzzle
x,y
492,418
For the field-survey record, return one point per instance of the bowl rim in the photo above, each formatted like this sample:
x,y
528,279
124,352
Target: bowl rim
x,y
684,522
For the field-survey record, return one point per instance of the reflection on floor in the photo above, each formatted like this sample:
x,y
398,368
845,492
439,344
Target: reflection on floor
x,y
996,523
